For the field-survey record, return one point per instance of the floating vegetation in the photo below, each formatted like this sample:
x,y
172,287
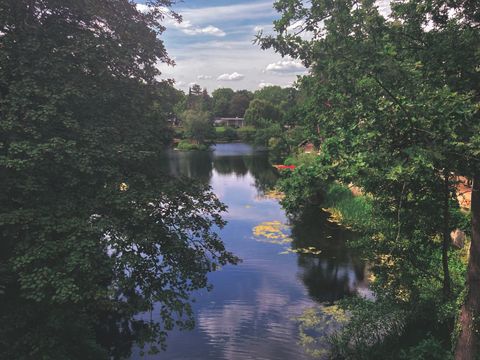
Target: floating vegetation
x,y
274,232
317,325
309,250
274,195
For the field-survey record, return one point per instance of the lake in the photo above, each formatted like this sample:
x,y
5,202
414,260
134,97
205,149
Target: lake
x,y
289,266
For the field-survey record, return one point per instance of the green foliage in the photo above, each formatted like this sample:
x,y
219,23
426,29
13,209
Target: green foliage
x,y
262,113
393,104
239,103
304,187
353,211
197,100
427,349
272,94
92,231
264,134
222,98
225,134
285,99
246,134
187,145
198,126
370,326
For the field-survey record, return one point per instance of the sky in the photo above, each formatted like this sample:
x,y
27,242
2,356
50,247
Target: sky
x,y
213,46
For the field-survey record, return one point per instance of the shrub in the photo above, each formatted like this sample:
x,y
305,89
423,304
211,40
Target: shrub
x,y
186,145
246,133
225,134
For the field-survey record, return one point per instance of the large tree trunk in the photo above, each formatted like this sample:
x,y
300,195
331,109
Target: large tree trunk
x,y
468,341
446,235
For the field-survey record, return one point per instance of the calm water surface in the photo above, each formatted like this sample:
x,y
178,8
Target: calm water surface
x,y
252,311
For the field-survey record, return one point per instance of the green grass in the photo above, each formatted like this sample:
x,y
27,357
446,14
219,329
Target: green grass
x,y
246,133
353,211
186,145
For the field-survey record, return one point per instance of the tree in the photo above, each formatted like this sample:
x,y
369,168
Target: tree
x,y
221,101
197,99
392,104
206,101
198,125
274,94
239,103
92,230
261,113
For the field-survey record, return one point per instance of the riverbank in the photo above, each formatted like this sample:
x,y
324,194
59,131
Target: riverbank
x,y
407,311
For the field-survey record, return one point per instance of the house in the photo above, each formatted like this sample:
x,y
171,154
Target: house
x,y
231,122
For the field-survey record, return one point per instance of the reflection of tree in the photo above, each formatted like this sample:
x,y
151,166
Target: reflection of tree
x,y
199,165
230,165
193,164
333,273
111,256
264,173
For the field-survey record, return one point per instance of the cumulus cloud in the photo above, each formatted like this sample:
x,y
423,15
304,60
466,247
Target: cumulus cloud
x,y
264,84
188,28
207,30
231,77
204,77
286,66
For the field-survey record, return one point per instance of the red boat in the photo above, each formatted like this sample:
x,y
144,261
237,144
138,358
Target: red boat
x,y
284,167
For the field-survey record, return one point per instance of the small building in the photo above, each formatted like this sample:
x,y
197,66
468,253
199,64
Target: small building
x,y
231,122
307,147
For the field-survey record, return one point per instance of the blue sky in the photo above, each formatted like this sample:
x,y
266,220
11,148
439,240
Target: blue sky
x,y
213,46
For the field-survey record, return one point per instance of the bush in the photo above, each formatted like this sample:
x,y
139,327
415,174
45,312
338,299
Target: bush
x,y
225,134
427,349
354,211
186,145
198,126
304,187
179,133
246,133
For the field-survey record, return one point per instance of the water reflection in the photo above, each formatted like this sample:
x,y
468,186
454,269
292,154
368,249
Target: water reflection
x,y
334,273
196,164
251,312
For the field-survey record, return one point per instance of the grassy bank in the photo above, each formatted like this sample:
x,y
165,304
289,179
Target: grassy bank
x,y
351,211
186,145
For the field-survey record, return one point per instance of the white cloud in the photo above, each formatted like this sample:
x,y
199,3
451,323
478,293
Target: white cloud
x,y
296,26
286,66
223,56
384,7
208,30
258,28
231,77
264,84
229,12
188,28
204,77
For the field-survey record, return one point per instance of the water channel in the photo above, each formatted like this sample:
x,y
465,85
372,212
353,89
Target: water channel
x,y
288,266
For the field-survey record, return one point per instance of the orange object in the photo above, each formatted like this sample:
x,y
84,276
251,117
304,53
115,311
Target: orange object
x,y
285,167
